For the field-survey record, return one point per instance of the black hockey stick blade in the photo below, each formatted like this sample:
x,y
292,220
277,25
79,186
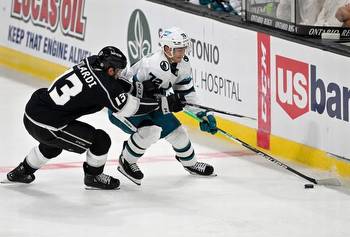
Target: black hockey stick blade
x,y
219,111
329,181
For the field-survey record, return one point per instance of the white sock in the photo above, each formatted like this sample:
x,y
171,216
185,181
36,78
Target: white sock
x,y
94,160
36,159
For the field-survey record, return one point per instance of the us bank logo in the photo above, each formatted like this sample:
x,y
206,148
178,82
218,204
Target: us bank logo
x,y
139,37
299,90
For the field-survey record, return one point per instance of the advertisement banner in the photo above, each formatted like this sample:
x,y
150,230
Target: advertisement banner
x,y
54,30
66,31
264,91
310,96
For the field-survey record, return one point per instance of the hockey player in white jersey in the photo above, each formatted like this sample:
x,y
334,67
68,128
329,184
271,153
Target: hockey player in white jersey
x,y
166,70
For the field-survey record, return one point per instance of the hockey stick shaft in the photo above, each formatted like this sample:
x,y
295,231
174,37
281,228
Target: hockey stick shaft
x,y
270,158
219,111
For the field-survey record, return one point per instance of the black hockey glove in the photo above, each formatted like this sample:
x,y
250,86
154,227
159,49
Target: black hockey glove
x,y
171,103
145,89
149,88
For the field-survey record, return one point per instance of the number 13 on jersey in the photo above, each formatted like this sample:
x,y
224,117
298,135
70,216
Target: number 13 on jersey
x,y
62,94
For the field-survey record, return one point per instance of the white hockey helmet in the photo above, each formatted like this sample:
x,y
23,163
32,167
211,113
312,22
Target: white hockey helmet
x,y
174,38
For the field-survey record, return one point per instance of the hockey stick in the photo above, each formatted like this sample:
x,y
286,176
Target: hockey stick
x,y
338,156
329,181
219,111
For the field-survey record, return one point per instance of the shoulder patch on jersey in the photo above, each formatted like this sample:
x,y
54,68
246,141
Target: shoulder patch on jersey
x,y
121,99
186,59
164,65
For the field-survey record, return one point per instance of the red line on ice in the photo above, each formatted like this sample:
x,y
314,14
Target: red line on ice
x,y
146,159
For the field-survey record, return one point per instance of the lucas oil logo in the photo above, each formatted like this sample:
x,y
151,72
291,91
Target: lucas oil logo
x,y
49,14
299,90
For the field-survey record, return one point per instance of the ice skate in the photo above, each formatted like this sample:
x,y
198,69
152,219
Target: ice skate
x,y
20,175
101,181
200,168
131,171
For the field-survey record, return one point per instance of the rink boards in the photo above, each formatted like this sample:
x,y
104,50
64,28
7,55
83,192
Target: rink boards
x,y
298,94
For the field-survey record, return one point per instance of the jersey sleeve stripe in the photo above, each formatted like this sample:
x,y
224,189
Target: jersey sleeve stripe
x,y
183,88
185,92
185,81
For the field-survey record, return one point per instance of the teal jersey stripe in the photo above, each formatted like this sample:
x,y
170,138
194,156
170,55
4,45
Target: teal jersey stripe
x,y
185,81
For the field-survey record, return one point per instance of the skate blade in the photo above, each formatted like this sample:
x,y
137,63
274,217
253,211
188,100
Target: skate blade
x,y
8,182
5,181
135,181
204,176
100,189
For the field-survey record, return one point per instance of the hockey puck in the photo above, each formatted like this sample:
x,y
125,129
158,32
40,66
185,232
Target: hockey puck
x,y
308,186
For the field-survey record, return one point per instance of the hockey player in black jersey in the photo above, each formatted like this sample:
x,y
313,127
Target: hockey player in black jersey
x,y
51,116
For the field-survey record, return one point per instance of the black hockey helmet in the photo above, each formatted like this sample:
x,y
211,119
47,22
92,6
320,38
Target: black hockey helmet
x,y
111,56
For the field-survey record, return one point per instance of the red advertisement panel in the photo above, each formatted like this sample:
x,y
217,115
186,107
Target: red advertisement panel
x,y
264,91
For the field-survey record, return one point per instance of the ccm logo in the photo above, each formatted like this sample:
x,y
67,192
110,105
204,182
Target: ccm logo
x,y
264,91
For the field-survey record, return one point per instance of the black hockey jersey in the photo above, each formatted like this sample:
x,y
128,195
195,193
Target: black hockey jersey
x,y
81,90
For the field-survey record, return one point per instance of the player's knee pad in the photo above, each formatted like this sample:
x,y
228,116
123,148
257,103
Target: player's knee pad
x,y
101,143
146,136
178,138
137,144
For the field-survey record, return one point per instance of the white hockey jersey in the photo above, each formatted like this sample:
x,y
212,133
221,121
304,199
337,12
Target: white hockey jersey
x,y
175,77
